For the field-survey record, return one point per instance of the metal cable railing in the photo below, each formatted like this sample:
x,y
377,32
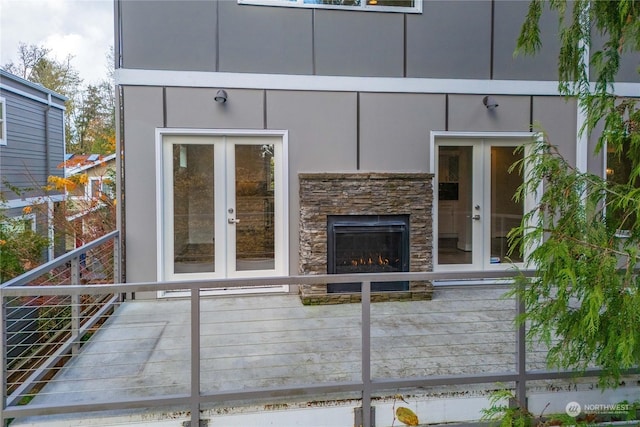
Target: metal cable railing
x,y
42,332
195,353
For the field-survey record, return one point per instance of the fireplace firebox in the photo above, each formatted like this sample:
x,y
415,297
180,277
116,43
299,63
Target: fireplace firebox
x,y
367,244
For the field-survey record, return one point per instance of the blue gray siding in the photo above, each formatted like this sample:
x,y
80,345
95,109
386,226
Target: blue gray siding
x,y
35,136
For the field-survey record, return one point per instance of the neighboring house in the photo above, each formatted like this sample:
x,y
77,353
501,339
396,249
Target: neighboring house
x,y
282,137
32,144
90,201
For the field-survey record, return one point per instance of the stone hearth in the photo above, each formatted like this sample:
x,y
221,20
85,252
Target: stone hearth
x,y
324,194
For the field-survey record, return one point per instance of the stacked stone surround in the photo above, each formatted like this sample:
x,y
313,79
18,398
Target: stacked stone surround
x,y
324,194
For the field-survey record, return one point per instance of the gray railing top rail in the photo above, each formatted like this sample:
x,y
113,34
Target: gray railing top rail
x,y
16,290
44,268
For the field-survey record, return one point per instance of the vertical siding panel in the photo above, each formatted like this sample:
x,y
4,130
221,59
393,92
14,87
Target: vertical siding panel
x,y
349,43
265,39
509,16
143,114
450,39
169,35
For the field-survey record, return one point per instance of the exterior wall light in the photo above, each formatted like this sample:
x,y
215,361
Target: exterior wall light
x,y
490,102
221,96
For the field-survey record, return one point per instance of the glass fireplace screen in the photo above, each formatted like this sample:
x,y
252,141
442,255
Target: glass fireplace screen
x,y
367,244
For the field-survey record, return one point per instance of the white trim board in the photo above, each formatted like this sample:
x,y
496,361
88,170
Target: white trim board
x,y
46,101
445,134
204,79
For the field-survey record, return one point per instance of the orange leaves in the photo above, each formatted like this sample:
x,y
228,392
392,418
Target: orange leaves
x,y
67,184
61,184
111,143
81,179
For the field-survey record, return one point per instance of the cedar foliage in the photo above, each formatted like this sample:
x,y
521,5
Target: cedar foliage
x,y
583,235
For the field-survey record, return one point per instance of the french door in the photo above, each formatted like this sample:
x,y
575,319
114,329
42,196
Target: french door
x,y
223,206
475,205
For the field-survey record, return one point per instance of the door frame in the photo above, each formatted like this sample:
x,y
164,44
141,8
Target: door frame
x,y
282,206
530,199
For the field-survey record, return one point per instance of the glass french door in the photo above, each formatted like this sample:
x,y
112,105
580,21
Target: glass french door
x,y
223,206
475,206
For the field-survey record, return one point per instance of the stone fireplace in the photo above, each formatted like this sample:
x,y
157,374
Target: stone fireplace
x,y
365,223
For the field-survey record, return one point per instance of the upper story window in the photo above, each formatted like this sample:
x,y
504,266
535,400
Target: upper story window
x,y
3,122
410,6
99,187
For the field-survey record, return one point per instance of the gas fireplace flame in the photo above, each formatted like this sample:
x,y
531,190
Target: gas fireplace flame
x,y
370,261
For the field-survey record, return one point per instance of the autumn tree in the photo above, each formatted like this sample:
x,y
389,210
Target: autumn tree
x,y
36,65
584,234
94,120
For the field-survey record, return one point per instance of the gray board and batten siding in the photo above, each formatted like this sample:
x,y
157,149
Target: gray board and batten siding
x,y
328,130
449,39
35,135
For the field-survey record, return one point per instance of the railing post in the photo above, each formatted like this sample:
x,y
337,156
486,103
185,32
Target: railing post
x,y
521,351
116,259
366,353
117,266
75,307
195,356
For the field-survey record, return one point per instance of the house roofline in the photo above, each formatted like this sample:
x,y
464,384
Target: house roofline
x,y
76,170
38,87
85,213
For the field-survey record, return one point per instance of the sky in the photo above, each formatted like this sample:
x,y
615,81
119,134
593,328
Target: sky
x,y
80,28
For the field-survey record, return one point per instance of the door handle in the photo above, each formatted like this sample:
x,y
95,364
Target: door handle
x,y
476,217
233,221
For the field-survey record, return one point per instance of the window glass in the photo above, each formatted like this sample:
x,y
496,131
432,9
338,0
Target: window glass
x,y
95,188
334,2
411,6
194,208
19,224
391,3
105,188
